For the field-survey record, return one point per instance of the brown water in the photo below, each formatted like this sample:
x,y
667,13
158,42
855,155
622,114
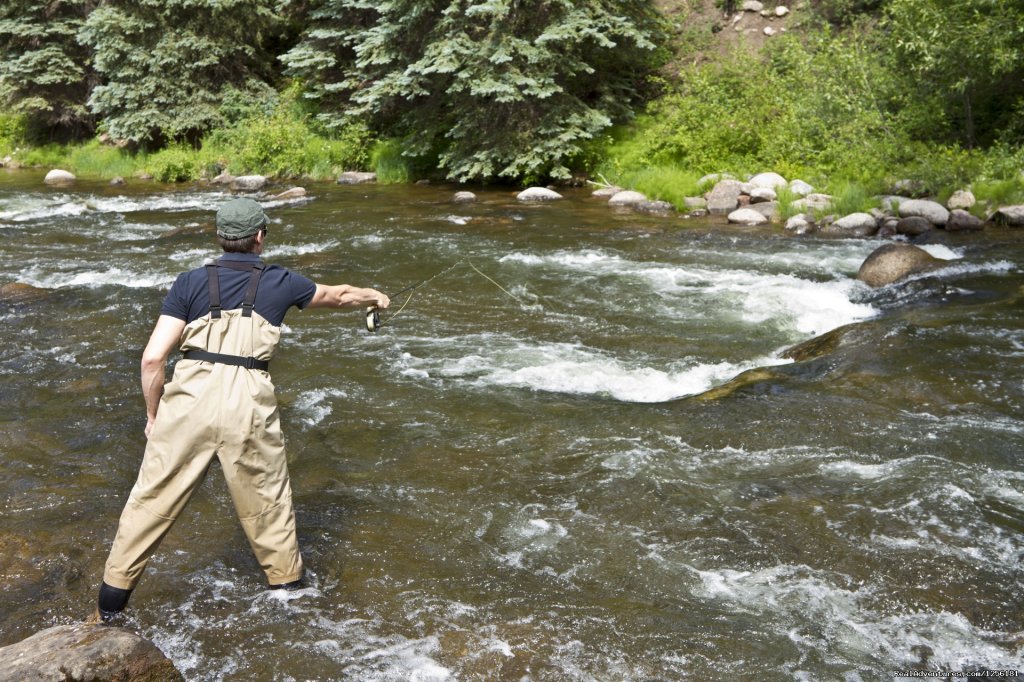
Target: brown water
x,y
536,490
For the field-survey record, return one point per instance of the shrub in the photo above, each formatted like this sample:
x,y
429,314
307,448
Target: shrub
x,y
174,164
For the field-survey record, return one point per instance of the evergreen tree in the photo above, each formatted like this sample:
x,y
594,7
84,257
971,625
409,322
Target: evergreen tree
x,y
169,65
44,71
493,88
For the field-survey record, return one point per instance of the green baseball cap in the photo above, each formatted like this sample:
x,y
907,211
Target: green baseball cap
x,y
240,218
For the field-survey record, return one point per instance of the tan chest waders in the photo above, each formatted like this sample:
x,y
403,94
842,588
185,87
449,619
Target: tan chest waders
x,y
220,403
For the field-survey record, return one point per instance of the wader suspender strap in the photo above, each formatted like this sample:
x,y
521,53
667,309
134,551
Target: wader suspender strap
x,y
248,301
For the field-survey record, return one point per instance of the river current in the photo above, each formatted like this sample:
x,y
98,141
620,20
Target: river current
x,y
613,471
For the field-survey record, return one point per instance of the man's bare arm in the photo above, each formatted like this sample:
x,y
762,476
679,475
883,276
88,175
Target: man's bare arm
x,y
164,338
347,296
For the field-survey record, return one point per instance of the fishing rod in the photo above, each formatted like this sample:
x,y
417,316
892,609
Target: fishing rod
x,y
373,319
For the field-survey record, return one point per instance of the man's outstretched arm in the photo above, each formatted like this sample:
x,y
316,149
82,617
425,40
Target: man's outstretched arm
x,y
346,296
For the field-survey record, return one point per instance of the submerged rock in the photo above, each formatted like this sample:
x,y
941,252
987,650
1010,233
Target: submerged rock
x,y
94,653
962,221
59,177
356,178
538,194
463,197
19,292
893,262
292,193
605,192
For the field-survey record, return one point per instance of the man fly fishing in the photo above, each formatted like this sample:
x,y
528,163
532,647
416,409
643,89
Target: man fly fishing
x,y
226,319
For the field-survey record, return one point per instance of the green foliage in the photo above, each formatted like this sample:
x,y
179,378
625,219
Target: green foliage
x,y
492,88
388,162
174,164
44,72
12,131
850,197
964,58
96,160
174,69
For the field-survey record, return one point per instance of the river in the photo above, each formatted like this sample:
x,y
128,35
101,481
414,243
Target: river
x,y
566,481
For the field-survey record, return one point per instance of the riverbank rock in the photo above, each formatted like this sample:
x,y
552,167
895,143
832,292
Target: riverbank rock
x,y
724,197
1011,216
627,198
655,207
962,198
117,181
935,212
712,178
753,6
248,183
538,194
893,262
759,195
962,221
747,216
769,180
85,653
800,224
605,192
463,197
914,225
59,177
813,202
356,178
292,193
223,178
854,225
800,188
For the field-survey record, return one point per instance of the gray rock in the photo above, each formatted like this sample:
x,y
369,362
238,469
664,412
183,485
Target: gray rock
x,y
59,177
627,198
356,178
464,198
769,209
117,181
962,221
800,224
911,188
291,193
725,197
747,216
891,203
769,31
771,180
962,198
224,178
781,11
800,188
892,262
760,195
695,202
855,225
813,202
249,183
606,192
538,194
752,6
658,207
1011,216
914,226
888,228
76,653
932,210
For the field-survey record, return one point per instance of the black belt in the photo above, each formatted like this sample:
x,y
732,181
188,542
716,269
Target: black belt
x,y
236,360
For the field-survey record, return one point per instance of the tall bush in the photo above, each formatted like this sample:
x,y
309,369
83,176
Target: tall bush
x,y
492,88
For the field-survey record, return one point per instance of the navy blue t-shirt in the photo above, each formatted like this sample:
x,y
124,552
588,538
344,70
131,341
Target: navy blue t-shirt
x,y
279,290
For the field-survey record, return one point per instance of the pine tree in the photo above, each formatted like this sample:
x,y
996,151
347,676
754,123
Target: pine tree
x,y
167,65
493,88
44,72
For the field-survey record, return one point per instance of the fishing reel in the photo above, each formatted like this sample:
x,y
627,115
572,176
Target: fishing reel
x,y
373,323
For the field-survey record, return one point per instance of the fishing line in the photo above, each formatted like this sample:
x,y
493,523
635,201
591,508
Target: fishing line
x,y
373,318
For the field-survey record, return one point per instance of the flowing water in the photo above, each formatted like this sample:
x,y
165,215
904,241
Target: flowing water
x,y
617,475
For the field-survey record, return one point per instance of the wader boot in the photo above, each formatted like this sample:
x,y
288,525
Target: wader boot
x,y
220,403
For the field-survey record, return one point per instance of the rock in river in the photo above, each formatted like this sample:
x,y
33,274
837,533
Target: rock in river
x,y
538,194
73,653
892,262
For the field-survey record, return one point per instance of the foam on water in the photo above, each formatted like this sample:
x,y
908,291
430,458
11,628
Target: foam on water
x,y
92,278
314,406
277,251
38,207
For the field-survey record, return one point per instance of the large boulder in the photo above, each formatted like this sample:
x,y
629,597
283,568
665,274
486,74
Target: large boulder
x,y
538,194
248,183
1012,216
935,212
914,225
724,197
59,177
759,195
85,653
800,188
962,198
893,262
